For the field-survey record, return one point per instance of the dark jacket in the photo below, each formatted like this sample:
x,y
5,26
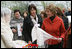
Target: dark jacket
x,y
68,13
65,20
28,25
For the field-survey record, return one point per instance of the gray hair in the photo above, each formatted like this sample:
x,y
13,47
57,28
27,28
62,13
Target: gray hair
x,y
5,11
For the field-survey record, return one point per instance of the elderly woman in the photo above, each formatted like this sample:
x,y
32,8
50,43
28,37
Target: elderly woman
x,y
54,26
6,33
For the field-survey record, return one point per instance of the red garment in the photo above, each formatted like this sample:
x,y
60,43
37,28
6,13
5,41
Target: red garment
x,y
63,11
55,28
68,32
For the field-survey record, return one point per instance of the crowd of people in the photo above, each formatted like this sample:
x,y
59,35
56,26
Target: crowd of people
x,y
52,20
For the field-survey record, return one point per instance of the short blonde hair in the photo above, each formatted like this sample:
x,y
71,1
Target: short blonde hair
x,y
52,8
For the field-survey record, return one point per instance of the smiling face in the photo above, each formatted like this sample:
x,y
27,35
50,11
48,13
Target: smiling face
x,y
49,13
17,15
33,12
51,10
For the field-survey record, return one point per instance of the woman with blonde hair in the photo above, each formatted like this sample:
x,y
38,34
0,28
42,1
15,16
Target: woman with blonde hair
x,y
54,26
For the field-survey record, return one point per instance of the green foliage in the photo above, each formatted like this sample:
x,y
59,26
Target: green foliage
x,y
21,8
43,4
20,5
23,5
61,6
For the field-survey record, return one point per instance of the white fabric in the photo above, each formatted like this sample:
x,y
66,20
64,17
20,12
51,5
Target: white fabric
x,y
40,35
20,43
33,20
19,32
2,44
7,36
69,19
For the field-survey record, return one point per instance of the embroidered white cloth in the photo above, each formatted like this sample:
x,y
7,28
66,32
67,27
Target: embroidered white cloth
x,y
40,35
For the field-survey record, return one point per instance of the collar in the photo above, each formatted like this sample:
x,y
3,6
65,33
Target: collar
x,y
55,19
33,17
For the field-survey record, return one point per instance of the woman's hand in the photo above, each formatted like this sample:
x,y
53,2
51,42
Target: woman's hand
x,y
29,42
14,30
60,39
21,29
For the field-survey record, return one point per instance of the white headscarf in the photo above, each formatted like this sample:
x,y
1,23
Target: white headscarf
x,y
6,33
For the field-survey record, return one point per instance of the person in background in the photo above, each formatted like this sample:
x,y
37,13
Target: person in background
x,y
25,14
17,19
63,11
43,15
54,26
32,19
68,13
61,15
65,20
